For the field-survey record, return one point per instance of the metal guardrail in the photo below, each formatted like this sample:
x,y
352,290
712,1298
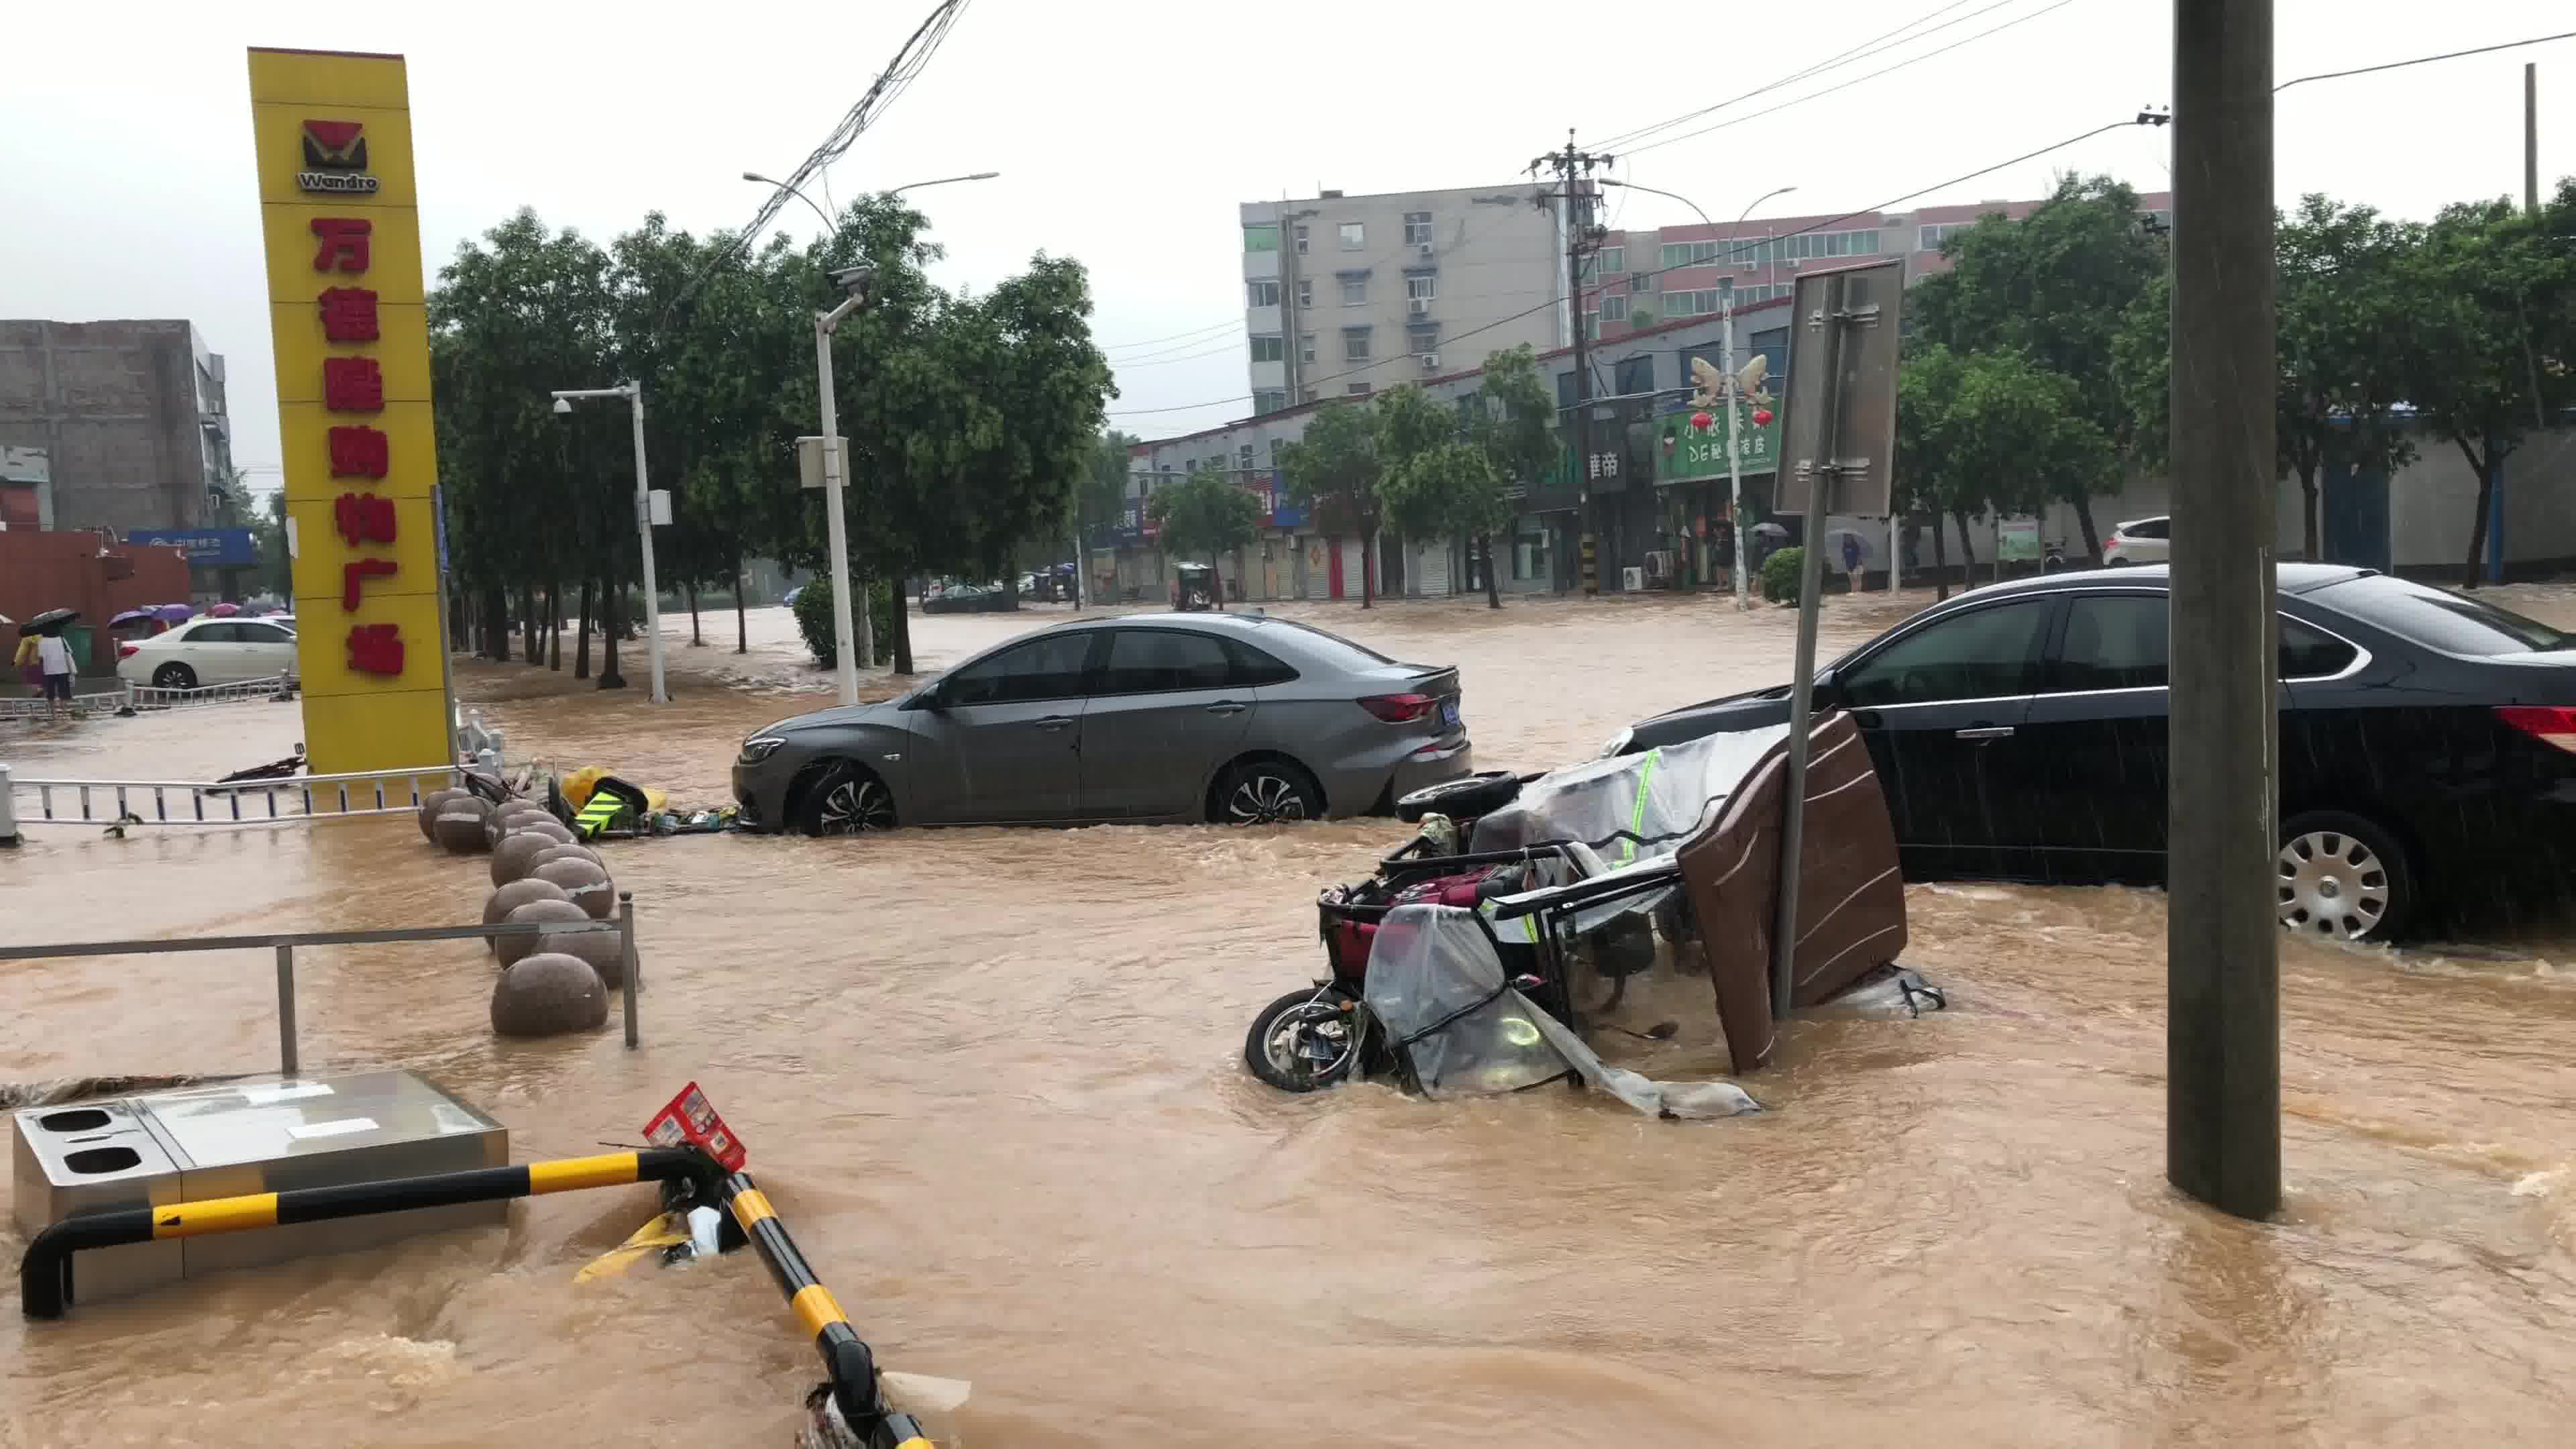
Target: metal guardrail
x,y
284,944
207,802
131,698
243,691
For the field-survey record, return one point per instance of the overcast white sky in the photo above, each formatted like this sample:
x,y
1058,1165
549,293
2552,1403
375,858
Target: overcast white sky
x,y
1126,132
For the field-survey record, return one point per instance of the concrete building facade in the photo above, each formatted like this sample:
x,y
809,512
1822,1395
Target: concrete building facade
x,y
117,424
1335,286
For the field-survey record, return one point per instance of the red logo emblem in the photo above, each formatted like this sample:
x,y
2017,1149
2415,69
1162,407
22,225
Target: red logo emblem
x,y
335,145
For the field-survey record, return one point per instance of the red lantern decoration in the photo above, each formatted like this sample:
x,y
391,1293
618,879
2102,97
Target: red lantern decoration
x,y
1761,417
1701,421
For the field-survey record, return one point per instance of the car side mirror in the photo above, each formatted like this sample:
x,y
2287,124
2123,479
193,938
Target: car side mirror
x,y
933,699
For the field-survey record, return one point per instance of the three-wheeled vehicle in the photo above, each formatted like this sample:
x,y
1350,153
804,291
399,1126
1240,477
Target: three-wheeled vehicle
x,y
1194,587
1625,898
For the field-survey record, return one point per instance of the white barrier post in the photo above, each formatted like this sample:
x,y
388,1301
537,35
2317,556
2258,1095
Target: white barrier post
x,y
8,811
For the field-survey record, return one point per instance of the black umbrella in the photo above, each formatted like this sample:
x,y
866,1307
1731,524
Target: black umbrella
x,y
49,622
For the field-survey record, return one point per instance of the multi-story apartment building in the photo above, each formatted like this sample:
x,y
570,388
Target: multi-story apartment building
x,y
1345,294
117,425
1642,278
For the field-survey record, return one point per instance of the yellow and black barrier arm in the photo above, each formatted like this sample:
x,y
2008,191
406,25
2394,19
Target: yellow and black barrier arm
x,y
45,1273
846,1356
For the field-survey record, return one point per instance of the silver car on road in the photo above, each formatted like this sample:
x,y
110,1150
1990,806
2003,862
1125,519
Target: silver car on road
x,y
1226,718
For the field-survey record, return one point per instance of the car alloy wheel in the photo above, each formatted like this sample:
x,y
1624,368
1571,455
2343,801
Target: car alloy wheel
x,y
854,806
1264,798
2332,884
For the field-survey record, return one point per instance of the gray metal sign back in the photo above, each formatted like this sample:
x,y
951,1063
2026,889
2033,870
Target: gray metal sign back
x,y
1840,406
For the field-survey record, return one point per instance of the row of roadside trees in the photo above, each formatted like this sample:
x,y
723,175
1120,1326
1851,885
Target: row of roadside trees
x,y
1428,468
2037,366
971,418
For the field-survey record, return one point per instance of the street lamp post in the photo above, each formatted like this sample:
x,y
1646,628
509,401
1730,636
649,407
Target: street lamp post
x,y
633,392
852,643
1734,393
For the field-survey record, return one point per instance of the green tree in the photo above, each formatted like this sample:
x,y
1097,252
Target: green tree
x,y
2490,289
2340,300
2056,286
1514,420
1100,498
1334,469
1441,476
1994,432
1206,515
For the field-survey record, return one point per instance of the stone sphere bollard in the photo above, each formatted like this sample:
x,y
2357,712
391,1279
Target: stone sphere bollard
x,y
429,807
569,850
545,825
586,883
604,950
512,949
549,994
459,825
513,894
516,855
508,817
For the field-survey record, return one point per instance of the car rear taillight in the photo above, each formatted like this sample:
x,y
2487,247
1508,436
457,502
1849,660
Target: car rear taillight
x,y
1398,708
2548,723
127,651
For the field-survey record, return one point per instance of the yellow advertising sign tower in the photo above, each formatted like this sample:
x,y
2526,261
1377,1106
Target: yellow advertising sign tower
x,y
349,322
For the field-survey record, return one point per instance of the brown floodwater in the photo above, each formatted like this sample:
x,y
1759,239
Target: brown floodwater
x,y
992,1080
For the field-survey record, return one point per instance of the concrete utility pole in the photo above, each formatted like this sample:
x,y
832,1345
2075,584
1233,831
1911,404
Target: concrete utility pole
x,y
2531,137
2222,935
1574,170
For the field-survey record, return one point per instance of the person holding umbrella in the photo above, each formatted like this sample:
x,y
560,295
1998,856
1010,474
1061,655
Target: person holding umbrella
x,y
48,664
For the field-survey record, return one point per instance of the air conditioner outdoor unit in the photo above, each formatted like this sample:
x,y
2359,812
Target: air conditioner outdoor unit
x,y
1426,251
1659,568
1418,306
1632,579
1430,361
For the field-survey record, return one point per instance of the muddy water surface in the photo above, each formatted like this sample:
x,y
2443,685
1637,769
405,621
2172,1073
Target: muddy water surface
x,y
992,1080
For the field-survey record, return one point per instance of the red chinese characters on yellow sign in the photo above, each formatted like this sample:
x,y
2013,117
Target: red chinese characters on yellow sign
x,y
356,384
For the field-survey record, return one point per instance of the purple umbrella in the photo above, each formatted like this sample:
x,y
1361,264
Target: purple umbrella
x,y
174,613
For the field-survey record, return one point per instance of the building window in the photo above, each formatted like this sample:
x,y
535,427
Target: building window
x,y
1421,289
1614,307
1306,347
1592,325
1354,236
1613,259
1243,458
1261,238
1417,228
1270,348
1419,340
1269,399
1191,464
1354,291
1305,291
1633,375
1642,282
1928,238
1264,293
1355,389
1355,344
1301,238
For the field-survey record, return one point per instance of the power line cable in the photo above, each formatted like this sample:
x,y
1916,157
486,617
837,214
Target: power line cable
x,y
2424,60
1856,80
1860,52
1175,337
1680,266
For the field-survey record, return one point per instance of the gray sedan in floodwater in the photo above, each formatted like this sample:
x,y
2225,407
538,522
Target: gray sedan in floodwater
x,y
1226,718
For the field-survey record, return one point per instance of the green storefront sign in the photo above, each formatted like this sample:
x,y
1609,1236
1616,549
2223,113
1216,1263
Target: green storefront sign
x,y
1684,454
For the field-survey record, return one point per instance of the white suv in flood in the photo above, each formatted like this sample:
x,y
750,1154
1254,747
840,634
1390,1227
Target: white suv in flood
x,y
2139,541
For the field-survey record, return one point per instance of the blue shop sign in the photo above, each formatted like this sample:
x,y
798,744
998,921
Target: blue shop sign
x,y
213,547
